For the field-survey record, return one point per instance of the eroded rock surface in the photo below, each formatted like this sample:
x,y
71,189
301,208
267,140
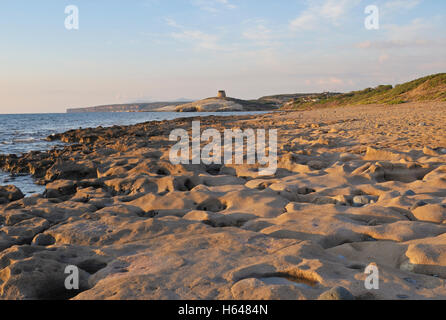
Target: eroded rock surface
x,y
354,186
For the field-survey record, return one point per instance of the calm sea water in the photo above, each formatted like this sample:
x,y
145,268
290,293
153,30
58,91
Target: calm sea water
x,y
27,132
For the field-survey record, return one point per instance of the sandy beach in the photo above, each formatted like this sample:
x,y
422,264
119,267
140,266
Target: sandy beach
x,y
355,186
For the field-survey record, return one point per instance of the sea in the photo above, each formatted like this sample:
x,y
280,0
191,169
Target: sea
x,y
21,133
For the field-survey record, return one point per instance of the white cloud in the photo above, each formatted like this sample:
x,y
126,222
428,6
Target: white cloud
x,y
172,23
418,33
213,5
198,38
415,30
336,9
332,11
258,33
306,21
398,5
227,4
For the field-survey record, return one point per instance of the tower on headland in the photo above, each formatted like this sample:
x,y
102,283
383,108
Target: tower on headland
x,y
221,94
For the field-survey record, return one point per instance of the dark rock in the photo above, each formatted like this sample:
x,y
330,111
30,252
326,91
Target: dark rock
x,y
71,170
10,193
60,188
43,240
409,193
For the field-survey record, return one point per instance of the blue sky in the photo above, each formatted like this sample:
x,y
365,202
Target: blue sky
x,y
151,50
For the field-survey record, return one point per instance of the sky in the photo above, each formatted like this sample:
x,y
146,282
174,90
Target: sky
x,y
158,50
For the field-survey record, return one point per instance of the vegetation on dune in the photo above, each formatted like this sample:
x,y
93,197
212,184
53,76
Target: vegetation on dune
x,y
430,88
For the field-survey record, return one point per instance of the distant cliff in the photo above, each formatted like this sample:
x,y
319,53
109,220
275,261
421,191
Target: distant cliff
x,y
131,107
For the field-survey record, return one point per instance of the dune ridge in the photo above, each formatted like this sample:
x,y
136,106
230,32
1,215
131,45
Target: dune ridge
x,y
429,88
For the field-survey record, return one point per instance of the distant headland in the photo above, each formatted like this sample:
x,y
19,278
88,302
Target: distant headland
x,y
220,103
129,107
429,88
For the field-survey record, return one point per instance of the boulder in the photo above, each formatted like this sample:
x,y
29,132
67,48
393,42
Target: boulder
x,y
9,194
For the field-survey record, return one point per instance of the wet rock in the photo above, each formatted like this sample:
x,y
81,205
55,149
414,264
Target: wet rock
x,y
10,193
70,170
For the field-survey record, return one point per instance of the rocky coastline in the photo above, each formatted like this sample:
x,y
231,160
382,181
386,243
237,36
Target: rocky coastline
x,y
355,186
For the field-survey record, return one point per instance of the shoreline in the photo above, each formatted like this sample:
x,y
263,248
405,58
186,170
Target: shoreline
x,y
354,186
54,143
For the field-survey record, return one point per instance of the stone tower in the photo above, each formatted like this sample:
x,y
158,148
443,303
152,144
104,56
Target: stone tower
x,y
221,94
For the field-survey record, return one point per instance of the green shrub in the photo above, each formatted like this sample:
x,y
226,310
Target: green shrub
x,y
396,101
384,94
383,88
